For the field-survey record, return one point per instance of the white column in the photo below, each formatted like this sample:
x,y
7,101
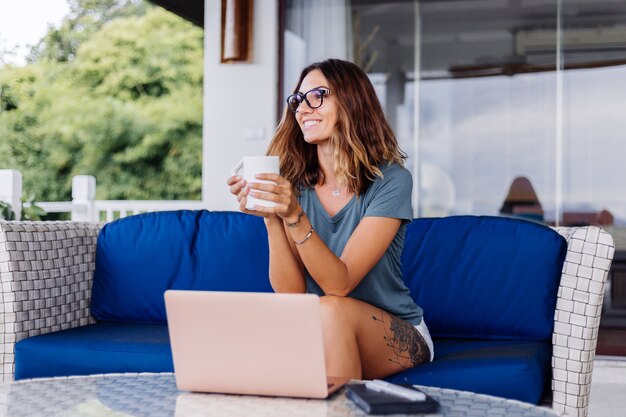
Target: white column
x,y
239,101
11,190
83,196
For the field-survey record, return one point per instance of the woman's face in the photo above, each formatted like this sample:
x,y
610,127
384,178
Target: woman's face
x,y
318,124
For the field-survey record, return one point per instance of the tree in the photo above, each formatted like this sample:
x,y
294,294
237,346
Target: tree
x,y
127,108
86,18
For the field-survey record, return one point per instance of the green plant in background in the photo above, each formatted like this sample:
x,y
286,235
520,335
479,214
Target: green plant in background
x,y
6,211
30,211
115,92
86,17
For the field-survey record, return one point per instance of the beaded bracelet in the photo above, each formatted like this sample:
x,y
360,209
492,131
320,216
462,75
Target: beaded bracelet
x,y
305,238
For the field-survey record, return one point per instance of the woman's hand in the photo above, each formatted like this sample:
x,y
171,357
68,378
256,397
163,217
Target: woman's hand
x,y
238,188
280,191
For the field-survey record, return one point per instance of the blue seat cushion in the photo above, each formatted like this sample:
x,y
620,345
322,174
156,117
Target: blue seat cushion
x,y
481,277
94,349
139,257
518,370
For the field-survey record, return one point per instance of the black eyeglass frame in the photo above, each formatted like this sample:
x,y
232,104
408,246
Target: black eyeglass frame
x,y
302,97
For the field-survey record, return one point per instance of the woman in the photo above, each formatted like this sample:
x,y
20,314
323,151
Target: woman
x,y
337,230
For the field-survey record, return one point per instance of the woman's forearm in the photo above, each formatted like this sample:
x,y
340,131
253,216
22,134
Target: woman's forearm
x,y
328,271
286,273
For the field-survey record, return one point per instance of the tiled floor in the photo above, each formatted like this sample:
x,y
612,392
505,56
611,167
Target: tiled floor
x,y
608,387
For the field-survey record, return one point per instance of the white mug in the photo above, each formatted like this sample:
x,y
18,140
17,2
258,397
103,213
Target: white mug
x,y
254,165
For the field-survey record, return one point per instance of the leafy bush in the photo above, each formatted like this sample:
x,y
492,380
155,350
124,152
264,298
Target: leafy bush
x,y
29,212
115,92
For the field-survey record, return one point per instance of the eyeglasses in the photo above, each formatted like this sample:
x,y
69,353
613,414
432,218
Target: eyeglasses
x,y
314,98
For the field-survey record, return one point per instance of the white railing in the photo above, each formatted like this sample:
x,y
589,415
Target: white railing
x,y
84,206
11,189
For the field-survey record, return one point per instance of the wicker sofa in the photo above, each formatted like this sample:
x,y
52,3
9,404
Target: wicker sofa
x,y
50,298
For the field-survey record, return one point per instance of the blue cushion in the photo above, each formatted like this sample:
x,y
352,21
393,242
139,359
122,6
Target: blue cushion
x,y
95,349
484,277
139,257
518,370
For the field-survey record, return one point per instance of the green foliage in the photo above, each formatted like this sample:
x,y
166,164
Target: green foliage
x,y
86,18
125,107
29,212
32,211
6,211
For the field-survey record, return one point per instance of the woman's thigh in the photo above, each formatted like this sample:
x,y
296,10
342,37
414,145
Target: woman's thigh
x,y
386,343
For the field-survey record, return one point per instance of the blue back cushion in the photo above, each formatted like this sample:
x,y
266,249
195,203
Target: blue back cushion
x,y
484,277
139,257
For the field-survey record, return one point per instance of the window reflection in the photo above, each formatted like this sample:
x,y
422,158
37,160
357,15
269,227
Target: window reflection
x,y
470,88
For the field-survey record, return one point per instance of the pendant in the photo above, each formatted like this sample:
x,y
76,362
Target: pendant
x,y
335,193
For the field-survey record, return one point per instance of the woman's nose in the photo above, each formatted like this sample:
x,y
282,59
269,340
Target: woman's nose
x,y
304,107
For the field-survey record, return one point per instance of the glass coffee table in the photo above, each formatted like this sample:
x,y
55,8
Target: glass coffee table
x,y
156,395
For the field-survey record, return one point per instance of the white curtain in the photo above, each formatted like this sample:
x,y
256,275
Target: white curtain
x,y
314,31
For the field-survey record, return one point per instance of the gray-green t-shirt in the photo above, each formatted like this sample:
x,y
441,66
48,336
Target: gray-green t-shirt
x,y
389,196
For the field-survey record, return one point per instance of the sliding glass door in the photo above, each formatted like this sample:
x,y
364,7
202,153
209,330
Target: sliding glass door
x,y
504,107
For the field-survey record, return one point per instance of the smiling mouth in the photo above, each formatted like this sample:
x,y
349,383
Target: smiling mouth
x,y
310,123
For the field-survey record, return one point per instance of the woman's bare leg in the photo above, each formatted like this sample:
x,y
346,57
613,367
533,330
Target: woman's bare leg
x,y
363,341
340,340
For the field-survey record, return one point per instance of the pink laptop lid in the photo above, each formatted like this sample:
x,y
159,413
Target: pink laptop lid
x,y
247,343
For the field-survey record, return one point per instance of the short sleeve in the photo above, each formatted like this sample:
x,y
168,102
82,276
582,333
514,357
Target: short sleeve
x,y
390,196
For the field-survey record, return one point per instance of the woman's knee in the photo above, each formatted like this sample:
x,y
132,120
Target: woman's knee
x,y
334,309
330,304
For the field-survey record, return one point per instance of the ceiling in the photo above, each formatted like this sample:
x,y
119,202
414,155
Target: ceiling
x,y
491,37
475,36
191,10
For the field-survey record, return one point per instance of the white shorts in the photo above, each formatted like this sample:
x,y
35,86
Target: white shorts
x,y
423,330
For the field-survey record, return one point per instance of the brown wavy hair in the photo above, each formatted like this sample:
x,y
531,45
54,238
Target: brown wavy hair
x,y
362,139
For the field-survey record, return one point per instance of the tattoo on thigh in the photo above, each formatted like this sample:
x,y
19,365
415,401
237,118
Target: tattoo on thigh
x,y
402,337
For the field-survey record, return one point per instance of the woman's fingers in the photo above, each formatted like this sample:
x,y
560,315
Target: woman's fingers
x,y
233,180
265,196
238,187
266,187
271,177
243,193
280,189
277,185
277,190
258,210
279,198
268,211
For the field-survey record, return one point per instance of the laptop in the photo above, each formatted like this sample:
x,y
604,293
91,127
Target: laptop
x,y
248,343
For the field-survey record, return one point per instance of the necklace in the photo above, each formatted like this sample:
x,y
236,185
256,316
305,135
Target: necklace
x,y
336,192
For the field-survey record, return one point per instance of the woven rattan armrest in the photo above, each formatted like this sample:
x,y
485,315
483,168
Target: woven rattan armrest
x,y
46,272
590,252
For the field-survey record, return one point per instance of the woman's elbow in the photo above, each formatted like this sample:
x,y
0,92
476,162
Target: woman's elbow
x,y
339,292
287,288
340,287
